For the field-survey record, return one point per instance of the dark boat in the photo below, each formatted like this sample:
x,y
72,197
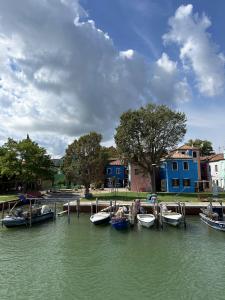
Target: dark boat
x,y
100,218
120,222
213,216
22,218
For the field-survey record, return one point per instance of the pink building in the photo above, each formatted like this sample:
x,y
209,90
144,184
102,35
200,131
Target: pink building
x,y
139,182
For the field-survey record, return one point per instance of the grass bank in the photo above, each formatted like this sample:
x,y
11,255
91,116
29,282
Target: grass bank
x,y
4,198
163,197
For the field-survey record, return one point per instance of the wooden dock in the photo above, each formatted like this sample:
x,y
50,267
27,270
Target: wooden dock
x,y
192,208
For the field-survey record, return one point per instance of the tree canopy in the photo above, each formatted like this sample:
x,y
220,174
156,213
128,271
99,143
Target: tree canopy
x,y
85,160
25,162
204,146
145,135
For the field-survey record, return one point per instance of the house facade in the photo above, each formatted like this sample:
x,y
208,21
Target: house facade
x,y
138,180
217,169
116,174
180,171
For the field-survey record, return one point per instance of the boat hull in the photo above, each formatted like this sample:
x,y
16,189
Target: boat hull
x,y
10,222
99,219
120,223
146,220
219,225
173,221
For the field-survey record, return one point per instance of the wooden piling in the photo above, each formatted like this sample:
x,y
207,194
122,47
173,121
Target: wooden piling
x,y
96,205
55,211
78,208
161,217
68,213
30,213
184,215
91,208
3,204
110,204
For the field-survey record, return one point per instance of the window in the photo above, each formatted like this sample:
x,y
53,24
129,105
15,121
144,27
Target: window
x,y
175,166
194,154
182,152
175,182
216,168
109,171
117,170
185,165
186,182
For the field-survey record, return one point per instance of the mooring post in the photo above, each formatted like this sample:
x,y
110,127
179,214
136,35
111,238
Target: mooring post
x,y
161,217
3,204
91,208
68,212
30,213
115,205
184,214
96,205
78,208
55,211
110,210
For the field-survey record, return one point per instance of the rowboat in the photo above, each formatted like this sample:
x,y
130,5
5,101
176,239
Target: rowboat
x,y
170,217
100,218
146,220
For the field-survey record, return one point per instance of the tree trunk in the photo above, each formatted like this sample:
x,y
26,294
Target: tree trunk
x,y
87,189
153,180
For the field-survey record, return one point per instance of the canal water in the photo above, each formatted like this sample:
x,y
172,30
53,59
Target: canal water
x,y
57,260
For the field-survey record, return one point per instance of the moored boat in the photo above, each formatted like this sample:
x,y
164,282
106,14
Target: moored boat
x,y
120,220
214,217
22,218
146,220
100,218
170,217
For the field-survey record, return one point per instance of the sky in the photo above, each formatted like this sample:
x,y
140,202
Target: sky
x,y
68,67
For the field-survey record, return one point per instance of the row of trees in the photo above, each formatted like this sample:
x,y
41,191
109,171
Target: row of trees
x,y
143,137
23,164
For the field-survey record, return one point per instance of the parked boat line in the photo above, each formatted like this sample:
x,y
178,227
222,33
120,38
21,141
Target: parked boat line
x,y
191,208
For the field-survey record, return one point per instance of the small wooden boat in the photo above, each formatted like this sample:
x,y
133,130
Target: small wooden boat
x,y
22,218
170,217
100,218
120,222
146,220
214,217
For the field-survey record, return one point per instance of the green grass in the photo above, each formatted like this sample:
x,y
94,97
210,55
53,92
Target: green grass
x,y
164,197
4,198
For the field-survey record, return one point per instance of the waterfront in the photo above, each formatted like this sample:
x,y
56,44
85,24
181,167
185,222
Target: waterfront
x,y
57,260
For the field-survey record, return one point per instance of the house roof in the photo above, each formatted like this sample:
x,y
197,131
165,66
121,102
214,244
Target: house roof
x,y
115,163
187,147
217,157
178,155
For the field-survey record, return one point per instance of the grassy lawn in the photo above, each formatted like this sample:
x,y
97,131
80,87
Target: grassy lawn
x,y
4,198
164,197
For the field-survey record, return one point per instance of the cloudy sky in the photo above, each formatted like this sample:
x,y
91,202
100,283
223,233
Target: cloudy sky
x,y
68,67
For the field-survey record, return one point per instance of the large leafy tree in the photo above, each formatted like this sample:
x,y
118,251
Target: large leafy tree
x,y
85,160
145,135
25,162
204,146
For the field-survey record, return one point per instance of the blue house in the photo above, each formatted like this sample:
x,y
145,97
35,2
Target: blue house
x,y
180,170
116,174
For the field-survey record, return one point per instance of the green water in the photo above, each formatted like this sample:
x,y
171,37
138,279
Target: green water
x,y
83,261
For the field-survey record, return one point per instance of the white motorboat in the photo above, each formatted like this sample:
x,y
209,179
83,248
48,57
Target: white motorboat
x,y
100,218
170,217
146,220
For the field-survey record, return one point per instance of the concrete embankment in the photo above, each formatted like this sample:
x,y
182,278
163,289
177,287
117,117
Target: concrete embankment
x,y
191,208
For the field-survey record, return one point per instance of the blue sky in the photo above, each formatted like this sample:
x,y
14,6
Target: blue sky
x,y
68,67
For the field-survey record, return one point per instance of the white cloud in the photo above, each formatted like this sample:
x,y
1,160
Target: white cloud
x,y
197,50
61,76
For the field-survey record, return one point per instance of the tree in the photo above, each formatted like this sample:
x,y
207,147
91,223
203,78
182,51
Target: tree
x,y
25,162
204,146
85,160
145,135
